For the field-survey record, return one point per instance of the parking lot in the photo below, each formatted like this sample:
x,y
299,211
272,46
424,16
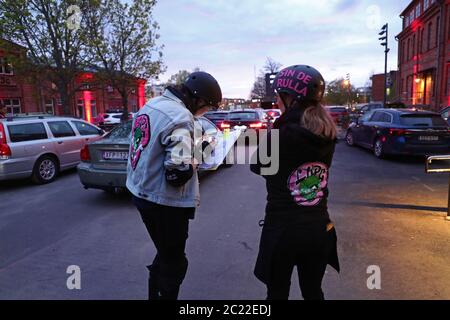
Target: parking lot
x,y
388,213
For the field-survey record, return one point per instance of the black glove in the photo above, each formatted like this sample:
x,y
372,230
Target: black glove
x,y
178,178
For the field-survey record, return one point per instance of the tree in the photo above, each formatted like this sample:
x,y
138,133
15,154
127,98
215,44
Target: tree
x,y
338,92
272,66
52,36
259,86
122,42
178,78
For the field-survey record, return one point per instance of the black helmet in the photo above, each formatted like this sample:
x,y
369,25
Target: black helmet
x,y
302,82
205,86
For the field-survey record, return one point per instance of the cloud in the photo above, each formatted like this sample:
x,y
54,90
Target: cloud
x,y
232,38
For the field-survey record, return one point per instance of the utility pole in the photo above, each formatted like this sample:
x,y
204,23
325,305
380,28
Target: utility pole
x,y
385,37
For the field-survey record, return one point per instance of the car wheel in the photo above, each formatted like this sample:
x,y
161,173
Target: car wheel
x,y
45,170
378,149
349,139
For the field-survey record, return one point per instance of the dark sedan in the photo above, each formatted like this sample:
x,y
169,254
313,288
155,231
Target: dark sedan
x,y
400,131
245,119
217,117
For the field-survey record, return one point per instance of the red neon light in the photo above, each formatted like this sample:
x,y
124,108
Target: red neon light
x,y
141,94
87,105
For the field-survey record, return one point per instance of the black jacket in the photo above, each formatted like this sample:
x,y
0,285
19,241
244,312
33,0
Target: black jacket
x,y
299,190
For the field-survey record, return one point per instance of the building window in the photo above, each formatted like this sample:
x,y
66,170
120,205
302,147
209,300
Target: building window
x,y
408,54
404,51
414,46
12,106
49,106
425,5
80,109
430,27
411,16
5,67
418,10
422,33
94,108
438,20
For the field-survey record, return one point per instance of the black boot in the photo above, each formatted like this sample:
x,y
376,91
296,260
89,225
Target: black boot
x,y
153,289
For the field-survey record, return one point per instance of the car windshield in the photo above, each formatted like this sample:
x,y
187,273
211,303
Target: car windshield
x,y
422,120
242,116
216,116
122,131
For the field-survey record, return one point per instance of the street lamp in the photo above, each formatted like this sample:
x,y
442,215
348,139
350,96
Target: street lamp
x,y
384,38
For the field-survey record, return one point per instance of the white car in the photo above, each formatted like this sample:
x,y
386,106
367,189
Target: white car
x,y
110,118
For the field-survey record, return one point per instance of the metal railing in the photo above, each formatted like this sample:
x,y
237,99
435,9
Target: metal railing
x,y
443,167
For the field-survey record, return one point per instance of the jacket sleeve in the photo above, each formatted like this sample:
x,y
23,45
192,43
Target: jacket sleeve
x,y
178,145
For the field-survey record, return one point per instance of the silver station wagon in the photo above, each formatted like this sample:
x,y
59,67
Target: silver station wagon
x,y
40,147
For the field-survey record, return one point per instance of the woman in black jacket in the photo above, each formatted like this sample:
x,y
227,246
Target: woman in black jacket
x,y
297,229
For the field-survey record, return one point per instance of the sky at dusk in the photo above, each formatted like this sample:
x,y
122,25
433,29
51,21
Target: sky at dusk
x,y
231,39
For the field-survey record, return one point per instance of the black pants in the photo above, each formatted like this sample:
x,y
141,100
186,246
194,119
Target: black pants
x,y
308,249
168,228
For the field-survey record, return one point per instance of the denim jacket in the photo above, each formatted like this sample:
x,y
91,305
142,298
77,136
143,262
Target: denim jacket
x,y
162,128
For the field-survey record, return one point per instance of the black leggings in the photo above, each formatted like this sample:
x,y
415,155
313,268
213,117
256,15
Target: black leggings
x,y
306,248
168,228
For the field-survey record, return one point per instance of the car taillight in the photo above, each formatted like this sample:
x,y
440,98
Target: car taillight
x,y
256,125
225,125
397,132
85,156
5,151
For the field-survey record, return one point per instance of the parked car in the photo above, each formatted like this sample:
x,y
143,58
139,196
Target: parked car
x,y
104,162
369,107
400,131
445,113
339,114
110,118
40,147
217,117
272,114
246,119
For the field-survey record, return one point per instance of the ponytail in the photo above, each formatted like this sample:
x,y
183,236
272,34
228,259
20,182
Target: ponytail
x,y
317,120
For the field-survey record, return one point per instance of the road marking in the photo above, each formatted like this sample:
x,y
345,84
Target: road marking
x,y
428,187
415,178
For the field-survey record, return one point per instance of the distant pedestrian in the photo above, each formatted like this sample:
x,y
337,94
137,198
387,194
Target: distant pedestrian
x,y
163,179
297,229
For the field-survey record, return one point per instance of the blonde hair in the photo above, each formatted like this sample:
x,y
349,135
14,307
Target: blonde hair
x,y
317,120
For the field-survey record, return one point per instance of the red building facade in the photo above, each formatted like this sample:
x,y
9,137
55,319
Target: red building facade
x,y
27,95
424,54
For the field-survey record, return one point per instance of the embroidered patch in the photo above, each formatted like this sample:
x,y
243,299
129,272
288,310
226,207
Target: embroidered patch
x,y
308,182
139,139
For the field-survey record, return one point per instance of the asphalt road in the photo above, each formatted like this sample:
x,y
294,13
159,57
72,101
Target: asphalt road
x,y
388,213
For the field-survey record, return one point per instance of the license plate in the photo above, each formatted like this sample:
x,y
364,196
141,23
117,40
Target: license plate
x,y
428,138
115,155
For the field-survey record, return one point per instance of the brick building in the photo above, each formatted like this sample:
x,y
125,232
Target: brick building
x,y
27,95
377,94
424,54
